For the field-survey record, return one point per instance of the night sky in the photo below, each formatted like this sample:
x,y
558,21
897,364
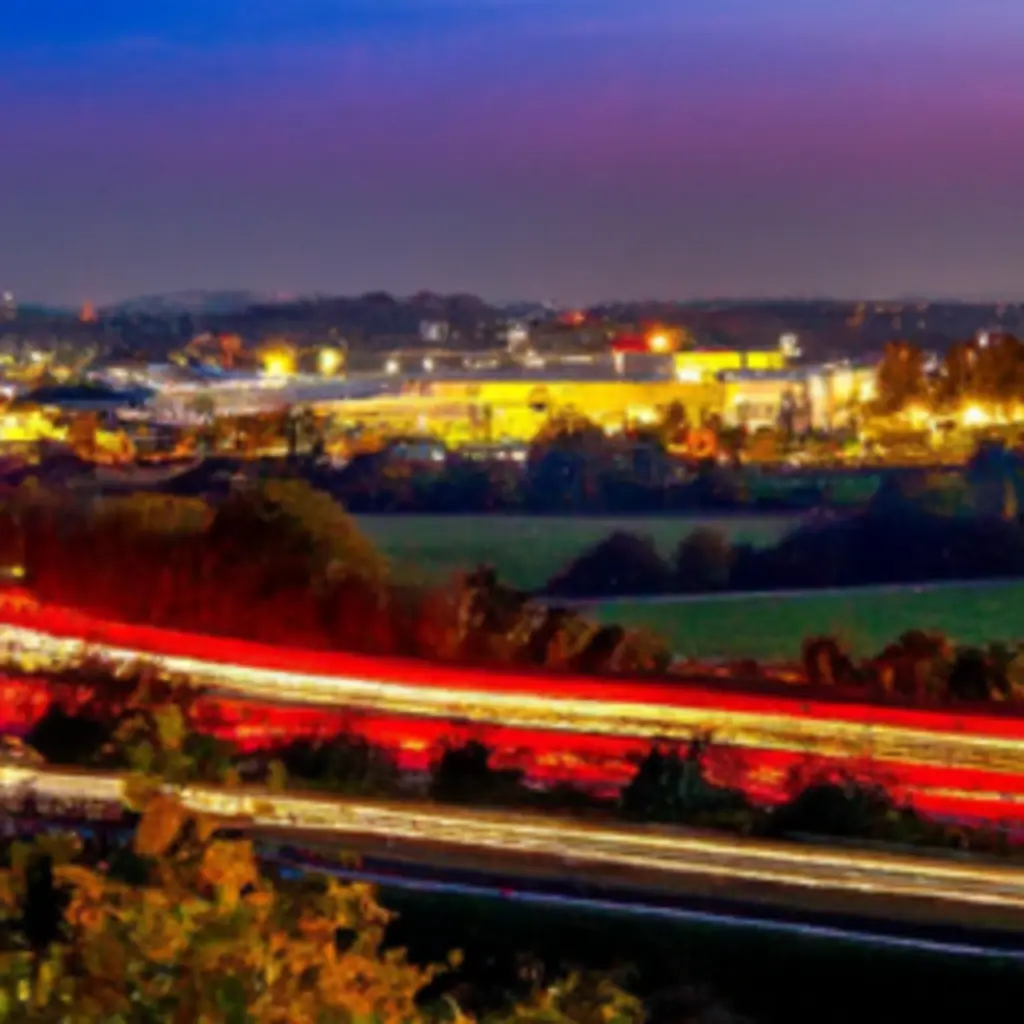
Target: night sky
x,y
563,149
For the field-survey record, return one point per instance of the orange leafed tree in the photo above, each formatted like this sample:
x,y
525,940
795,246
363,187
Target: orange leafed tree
x,y
205,935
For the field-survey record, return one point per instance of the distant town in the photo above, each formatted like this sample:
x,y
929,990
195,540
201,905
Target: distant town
x,y
427,377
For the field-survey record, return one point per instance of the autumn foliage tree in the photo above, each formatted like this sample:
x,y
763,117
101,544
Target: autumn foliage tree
x,y
990,371
187,926
278,561
901,376
281,562
205,936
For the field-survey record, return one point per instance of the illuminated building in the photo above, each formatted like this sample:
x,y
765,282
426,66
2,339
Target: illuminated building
x,y
831,395
517,337
520,404
672,352
701,363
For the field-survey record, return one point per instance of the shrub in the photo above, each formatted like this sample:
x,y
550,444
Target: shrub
x,y
65,739
671,786
703,560
973,677
622,565
917,665
825,662
347,764
464,775
191,940
846,808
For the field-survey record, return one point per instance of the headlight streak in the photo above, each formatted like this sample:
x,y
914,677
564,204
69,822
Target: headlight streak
x,y
963,766
830,738
722,859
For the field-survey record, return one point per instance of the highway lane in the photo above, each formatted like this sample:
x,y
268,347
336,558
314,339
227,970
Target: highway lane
x,y
729,726
725,914
977,775
567,893
966,765
645,859
598,765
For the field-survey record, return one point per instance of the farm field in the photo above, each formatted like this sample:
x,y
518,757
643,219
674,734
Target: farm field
x,y
528,550
773,626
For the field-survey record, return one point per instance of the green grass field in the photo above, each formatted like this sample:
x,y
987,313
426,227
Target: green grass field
x,y
773,627
528,550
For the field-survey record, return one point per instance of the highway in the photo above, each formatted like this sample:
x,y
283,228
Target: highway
x,y
575,898
963,764
529,850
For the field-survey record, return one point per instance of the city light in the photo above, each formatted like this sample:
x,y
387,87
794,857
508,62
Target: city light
x,y
278,363
975,416
689,375
329,361
918,415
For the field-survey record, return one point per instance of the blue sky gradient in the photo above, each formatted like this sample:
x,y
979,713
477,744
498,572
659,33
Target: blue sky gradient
x,y
562,149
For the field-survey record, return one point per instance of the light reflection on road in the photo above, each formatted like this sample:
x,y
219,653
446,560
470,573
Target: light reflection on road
x,y
675,858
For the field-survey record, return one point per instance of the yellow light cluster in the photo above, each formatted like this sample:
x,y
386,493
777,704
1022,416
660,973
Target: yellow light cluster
x,y
973,414
329,361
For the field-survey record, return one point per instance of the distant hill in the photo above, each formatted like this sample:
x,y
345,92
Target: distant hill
x,y
378,322
201,303
826,328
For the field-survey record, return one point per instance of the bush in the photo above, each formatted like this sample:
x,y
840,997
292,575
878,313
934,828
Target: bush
x,y
850,809
673,787
916,666
826,663
347,764
463,775
974,677
703,560
189,931
65,739
622,565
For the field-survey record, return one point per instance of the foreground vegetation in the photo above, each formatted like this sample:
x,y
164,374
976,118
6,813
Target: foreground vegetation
x,y
186,926
185,923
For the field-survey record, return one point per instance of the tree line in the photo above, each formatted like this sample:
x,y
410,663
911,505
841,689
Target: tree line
x,y
283,563
988,369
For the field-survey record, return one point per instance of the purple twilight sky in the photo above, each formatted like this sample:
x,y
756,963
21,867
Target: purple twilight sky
x,y
564,149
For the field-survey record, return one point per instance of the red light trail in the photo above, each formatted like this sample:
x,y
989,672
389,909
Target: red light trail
x,y
589,731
